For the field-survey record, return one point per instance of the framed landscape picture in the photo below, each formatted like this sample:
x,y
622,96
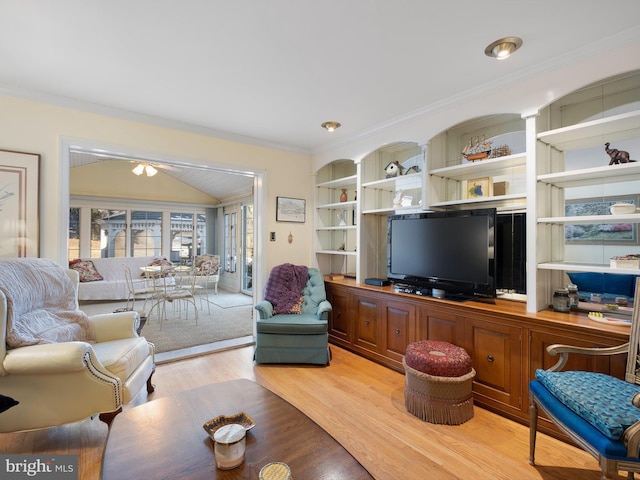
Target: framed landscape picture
x,y
19,204
290,209
605,233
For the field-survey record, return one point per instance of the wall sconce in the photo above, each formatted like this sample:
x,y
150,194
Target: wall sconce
x,y
141,168
503,48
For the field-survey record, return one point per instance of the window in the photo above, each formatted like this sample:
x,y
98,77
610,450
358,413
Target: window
x,y
105,227
100,228
74,234
146,233
230,242
247,248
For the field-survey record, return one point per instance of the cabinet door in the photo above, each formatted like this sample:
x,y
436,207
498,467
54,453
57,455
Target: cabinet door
x,y
440,325
399,328
339,325
496,354
539,341
367,322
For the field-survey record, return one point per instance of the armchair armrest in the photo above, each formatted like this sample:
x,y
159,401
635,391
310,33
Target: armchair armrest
x,y
115,326
565,350
265,309
50,358
323,310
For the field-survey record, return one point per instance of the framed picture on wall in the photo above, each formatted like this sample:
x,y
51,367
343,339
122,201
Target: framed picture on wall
x,y
290,209
19,204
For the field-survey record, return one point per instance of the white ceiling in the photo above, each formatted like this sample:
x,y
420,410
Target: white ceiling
x,y
270,72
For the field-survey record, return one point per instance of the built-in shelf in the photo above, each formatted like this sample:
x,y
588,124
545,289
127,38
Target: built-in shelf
x,y
339,182
337,252
592,176
335,205
337,228
481,168
586,267
597,219
413,180
589,134
482,200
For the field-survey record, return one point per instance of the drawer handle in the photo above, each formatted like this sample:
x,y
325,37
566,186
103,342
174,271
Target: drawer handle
x,y
366,322
338,314
397,331
490,358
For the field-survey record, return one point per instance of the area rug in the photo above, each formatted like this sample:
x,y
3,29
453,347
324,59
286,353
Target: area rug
x,y
230,300
179,332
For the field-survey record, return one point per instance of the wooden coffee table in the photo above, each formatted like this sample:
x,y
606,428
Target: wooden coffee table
x,y
164,439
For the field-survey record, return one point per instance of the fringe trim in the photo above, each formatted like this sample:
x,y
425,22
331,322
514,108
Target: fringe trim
x,y
440,400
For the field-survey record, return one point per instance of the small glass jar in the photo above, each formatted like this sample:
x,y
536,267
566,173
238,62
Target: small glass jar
x,y
561,300
230,444
573,296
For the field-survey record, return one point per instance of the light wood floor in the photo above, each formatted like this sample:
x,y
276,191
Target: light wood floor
x,y
359,403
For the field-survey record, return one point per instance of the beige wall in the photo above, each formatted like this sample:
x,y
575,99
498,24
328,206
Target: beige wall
x,y
36,127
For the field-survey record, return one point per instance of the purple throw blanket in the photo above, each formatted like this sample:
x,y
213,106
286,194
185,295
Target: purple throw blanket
x,y
285,286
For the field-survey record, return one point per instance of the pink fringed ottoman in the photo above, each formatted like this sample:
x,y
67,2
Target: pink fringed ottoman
x,y
438,381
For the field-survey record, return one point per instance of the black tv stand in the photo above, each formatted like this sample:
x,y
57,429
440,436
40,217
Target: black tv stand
x,y
429,292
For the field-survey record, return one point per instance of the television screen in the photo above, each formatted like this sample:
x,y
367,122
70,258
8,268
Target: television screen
x,y
450,251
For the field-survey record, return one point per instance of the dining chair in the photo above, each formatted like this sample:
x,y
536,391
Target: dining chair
x,y
139,289
182,291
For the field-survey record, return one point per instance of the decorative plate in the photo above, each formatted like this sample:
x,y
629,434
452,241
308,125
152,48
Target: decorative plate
x,y
599,317
240,418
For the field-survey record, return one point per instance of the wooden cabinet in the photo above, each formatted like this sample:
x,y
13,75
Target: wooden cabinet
x,y
399,320
366,313
496,354
506,343
340,328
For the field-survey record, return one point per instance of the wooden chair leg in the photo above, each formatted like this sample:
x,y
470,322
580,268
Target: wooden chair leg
x,y
150,386
533,427
109,416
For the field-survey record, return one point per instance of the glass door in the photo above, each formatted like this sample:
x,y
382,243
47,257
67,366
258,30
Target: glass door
x,y
247,249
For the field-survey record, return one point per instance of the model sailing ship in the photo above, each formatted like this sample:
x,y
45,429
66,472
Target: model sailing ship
x,y
478,150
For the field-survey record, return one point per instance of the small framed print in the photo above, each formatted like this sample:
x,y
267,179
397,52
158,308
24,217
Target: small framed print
x,y
478,188
19,204
290,209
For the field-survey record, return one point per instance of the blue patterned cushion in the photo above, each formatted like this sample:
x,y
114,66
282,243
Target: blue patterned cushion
x,y
602,400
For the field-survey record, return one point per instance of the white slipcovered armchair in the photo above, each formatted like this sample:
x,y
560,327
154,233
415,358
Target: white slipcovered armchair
x,y
58,364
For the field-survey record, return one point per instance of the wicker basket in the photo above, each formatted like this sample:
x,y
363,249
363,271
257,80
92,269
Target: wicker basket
x,y
442,400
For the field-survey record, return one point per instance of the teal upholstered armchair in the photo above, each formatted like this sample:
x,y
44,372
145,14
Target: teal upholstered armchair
x,y
295,331
599,412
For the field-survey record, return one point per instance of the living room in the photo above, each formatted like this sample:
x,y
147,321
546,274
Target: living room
x,y
53,126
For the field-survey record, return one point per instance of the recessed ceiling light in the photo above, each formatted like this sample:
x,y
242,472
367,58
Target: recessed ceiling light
x,y
330,126
503,48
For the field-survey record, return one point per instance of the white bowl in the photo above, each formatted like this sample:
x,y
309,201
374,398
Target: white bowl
x,y
622,208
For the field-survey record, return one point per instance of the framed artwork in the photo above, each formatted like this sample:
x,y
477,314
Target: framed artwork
x,y
290,209
603,233
478,188
19,204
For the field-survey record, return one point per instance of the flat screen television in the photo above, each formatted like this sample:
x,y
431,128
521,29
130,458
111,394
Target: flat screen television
x,y
444,254
511,252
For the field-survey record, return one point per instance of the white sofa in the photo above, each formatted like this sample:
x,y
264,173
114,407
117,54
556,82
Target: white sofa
x,y
113,286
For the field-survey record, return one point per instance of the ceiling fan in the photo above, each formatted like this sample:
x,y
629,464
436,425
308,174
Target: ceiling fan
x,y
149,168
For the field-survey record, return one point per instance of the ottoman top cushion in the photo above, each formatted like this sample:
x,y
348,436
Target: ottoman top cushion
x,y
440,359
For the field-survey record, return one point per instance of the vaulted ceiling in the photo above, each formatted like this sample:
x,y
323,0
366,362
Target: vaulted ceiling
x,y
270,72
